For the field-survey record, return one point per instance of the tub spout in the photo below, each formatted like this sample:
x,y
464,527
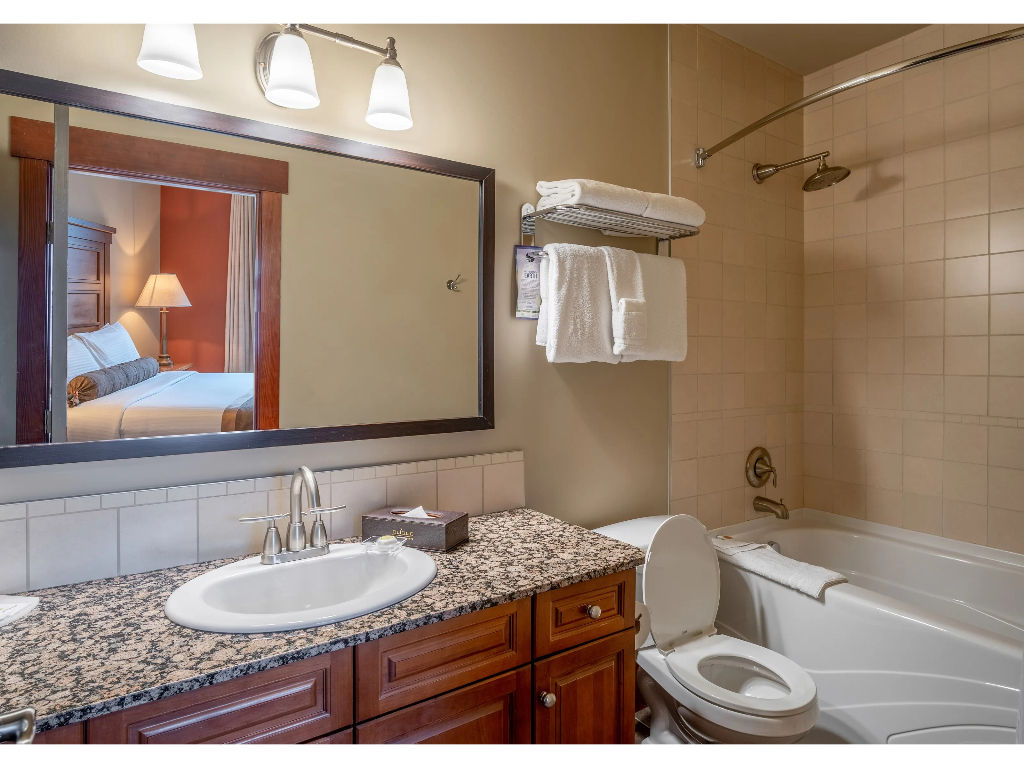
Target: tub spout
x,y
777,508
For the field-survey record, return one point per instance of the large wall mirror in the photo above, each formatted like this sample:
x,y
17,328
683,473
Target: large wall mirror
x,y
229,284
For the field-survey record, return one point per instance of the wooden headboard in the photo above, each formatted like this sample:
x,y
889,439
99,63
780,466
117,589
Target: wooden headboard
x,y
88,275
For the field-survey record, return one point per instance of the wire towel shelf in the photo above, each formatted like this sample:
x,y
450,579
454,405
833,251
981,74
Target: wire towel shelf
x,y
608,221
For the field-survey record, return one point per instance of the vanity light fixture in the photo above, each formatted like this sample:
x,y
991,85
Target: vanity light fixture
x,y
170,50
284,71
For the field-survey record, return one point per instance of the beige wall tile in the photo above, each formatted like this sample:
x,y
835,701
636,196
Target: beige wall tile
x,y
966,395
966,316
1006,529
1007,231
1006,272
922,280
922,438
1006,396
1008,313
967,237
922,513
1006,447
966,355
967,276
964,521
1006,356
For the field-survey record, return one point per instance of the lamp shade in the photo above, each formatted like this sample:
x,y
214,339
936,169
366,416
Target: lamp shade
x,y
291,81
389,98
163,290
170,50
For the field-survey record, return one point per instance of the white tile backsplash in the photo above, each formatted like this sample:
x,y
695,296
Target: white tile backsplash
x,y
13,575
157,535
78,546
61,541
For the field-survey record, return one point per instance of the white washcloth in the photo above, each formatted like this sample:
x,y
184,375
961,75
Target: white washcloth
x,y
13,607
600,194
765,561
595,193
579,316
678,210
664,295
629,308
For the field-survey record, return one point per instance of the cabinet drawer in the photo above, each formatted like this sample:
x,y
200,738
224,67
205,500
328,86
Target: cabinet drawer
x,y
338,737
289,704
66,734
496,711
411,666
561,615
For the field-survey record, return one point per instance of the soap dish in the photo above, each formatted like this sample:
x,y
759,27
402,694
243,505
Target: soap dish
x,y
385,545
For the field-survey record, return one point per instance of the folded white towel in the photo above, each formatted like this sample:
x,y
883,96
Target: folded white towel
x,y
629,308
579,315
678,210
663,282
588,192
765,561
600,194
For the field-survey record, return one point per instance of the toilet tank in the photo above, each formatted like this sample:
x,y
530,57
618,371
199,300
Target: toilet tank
x,y
639,531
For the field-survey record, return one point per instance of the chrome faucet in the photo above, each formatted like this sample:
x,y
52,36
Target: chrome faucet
x,y
777,508
759,468
298,546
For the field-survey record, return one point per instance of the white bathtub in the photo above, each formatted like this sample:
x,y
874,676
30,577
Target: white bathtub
x,y
925,644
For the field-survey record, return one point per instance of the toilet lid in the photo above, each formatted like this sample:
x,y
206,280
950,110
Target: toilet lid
x,y
681,586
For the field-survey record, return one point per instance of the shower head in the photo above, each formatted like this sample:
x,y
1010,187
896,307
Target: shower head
x,y
821,178
825,176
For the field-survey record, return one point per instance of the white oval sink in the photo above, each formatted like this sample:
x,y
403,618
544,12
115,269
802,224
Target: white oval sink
x,y
248,596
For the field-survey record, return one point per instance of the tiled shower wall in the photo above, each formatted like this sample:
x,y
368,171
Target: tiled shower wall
x,y
914,293
67,540
741,385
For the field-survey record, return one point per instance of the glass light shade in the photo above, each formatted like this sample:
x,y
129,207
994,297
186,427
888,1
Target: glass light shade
x,y
163,290
389,98
170,50
291,82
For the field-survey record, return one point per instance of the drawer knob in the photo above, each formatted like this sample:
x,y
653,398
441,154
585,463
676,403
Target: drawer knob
x,y
593,611
547,699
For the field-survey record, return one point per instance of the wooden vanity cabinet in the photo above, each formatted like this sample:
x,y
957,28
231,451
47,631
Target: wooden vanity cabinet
x,y
473,679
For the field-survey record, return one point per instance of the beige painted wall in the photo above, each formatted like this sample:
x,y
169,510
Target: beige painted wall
x,y
500,96
914,342
133,208
741,385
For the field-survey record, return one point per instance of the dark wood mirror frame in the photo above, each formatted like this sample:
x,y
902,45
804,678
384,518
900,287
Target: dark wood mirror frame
x,y
85,97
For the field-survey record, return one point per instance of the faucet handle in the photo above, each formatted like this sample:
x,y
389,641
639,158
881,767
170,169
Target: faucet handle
x,y
259,518
272,540
324,510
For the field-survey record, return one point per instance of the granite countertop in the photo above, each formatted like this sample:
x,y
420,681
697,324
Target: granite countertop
x,y
101,646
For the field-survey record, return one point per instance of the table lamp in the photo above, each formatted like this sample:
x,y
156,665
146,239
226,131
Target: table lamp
x,y
163,290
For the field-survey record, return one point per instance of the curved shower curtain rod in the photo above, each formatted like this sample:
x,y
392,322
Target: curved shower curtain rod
x,y
702,155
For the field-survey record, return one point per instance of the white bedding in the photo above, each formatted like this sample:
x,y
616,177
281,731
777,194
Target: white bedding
x,y
170,403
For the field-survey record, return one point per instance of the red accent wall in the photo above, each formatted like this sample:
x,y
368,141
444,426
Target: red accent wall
x,y
194,230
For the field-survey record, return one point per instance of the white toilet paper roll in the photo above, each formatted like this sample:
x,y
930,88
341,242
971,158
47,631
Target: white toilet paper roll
x,y
643,624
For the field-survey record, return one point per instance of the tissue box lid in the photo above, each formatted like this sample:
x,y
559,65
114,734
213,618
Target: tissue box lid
x,y
441,531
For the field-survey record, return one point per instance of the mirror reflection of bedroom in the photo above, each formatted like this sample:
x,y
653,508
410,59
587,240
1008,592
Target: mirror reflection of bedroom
x,y
161,309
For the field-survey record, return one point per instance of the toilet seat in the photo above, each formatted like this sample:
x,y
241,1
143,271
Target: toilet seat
x,y
727,679
790,692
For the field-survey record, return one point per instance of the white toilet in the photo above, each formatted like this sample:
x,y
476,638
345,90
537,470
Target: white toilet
x,y
703,687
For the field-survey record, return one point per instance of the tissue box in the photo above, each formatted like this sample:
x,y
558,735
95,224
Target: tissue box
x,y
439,532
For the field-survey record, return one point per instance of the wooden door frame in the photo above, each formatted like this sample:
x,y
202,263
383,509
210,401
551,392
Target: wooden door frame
x,y
22,85
155,160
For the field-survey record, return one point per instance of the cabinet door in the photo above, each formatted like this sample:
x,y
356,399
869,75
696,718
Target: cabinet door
x,y
66,734
496,711
285,705
592,689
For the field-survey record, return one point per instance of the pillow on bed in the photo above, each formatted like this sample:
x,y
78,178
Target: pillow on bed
x,y
94,384
80,359
111,345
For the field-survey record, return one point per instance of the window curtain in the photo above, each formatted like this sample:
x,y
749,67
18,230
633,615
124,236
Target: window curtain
x,y
239,330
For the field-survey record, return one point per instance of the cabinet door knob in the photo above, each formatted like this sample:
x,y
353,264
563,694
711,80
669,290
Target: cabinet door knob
x,y
547,699
593,611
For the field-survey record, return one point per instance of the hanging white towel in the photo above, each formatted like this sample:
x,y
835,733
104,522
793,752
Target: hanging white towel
x,y
542,314
590,192
629,308
579,316
764,561
651,305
